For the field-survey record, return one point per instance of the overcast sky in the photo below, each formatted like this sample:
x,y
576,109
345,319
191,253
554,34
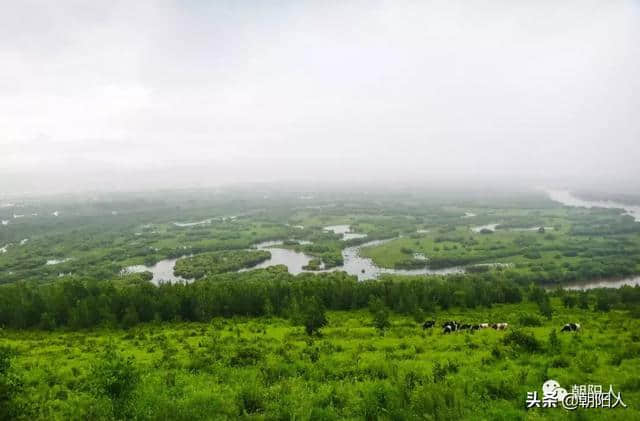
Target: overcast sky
x,y
132,94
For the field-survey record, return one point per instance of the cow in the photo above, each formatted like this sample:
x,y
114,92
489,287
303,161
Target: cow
x,y
475,327
484,325
500,326
465,327
570,327
448,327
428,324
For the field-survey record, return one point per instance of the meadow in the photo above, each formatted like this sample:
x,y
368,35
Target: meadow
x,y
269,368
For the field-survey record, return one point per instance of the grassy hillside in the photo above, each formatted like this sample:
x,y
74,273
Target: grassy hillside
x,y
268,368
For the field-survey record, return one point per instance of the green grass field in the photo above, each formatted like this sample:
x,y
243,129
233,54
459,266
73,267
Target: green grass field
x,y
266,368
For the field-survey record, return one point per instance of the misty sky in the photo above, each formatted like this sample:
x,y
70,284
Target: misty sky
x,y
132,94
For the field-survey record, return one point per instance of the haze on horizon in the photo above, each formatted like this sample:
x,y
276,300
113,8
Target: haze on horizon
x,y
149,94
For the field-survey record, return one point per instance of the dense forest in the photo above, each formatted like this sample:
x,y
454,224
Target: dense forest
x,y
265,292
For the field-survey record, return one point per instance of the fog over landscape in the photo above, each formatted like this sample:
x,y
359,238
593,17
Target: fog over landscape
x,y
156,94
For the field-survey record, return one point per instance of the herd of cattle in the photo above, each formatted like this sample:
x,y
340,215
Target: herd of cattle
x,y
453,326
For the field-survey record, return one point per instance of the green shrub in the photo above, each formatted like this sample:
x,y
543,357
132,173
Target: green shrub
x,y
10,386
245,356
529,320
116,378
313,316
250,399
437,402
522,340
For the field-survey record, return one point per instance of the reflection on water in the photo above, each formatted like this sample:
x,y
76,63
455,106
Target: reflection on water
x,y
490,227
345,230
57,261
192,224
352,235
364,268
354,264
292,259
566,198
531,229
603,283
162,271
338,229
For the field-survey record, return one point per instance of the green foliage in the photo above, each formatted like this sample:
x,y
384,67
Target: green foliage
x,y
380,314
271,291
313,316
530,320
10,386
201,265
555,345
522,340
569,301
115,377
130,317
545,308
250,399
583,300
266,368
314,264
605,300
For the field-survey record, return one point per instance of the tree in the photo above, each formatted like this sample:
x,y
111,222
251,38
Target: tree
x,y
116,378
603,303
569,301
545,308
313,316
130,317
583,300
380,314
9,386
555,346
536,294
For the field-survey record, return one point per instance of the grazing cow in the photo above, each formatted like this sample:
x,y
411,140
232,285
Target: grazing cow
x,y
465,327
570,327
484,325
448,327
500,326
475,327
429,324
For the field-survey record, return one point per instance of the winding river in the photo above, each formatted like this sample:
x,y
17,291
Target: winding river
x,y
364,268
162,271
354,264
603,283
568,199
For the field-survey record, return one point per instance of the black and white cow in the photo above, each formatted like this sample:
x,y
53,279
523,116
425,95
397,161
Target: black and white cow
x,y
500,326
451,326
465,327
428,324
570,327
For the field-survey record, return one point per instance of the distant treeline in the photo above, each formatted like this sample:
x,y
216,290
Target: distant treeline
x,y
76,304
